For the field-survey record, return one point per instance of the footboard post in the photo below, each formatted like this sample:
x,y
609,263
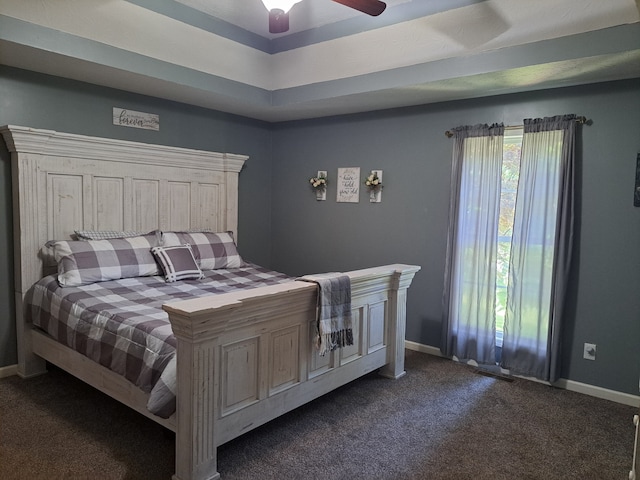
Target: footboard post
x,y
397,317
196,455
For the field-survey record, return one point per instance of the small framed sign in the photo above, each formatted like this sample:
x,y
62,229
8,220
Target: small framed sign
x,y
131,118
348,185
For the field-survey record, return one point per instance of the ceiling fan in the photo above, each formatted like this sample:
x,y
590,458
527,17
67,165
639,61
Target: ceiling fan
x,y
279,11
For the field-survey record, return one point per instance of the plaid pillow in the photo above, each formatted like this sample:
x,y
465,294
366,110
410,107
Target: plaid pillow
x,y
87,261
177,262
211,250
105,234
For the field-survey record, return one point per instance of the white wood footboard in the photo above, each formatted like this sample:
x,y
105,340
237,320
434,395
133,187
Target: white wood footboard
x,y
246,358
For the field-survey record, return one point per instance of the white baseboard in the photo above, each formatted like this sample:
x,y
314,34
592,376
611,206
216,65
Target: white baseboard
x,y
418,347
585,388
599,392
8,371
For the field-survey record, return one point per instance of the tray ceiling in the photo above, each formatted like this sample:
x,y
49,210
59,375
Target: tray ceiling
x,y
333,60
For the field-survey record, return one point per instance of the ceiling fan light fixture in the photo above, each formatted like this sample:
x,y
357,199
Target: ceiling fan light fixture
x,y
279,11
284,5
278,21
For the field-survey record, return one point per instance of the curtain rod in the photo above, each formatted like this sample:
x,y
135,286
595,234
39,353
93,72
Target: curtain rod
x,y
581,120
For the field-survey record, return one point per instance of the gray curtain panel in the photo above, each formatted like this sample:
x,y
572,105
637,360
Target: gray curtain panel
x,y
468,327
541,248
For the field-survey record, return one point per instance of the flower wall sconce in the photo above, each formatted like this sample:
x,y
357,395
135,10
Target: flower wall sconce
x,y
374,183
319,185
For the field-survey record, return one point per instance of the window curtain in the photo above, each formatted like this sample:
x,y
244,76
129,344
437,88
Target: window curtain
x,y
470,271
541,248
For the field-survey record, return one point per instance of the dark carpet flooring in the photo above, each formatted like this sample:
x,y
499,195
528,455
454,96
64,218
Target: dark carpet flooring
x,y
440,421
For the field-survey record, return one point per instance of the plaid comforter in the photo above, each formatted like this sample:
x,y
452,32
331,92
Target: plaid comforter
x,y
121,325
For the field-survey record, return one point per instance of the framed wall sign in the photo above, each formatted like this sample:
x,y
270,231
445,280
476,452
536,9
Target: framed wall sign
x,y
348,185
131,118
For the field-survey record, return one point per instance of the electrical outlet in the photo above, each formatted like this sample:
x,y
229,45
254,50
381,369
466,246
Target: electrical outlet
x,y
589,351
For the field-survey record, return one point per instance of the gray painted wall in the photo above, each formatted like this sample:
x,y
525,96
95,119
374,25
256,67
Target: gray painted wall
x,y
410,225
283,226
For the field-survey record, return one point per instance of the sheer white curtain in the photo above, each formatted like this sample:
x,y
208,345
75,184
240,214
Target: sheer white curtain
x,y
540,248
470,282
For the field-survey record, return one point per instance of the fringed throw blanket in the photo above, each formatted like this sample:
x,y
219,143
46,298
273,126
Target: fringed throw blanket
x,y
334,328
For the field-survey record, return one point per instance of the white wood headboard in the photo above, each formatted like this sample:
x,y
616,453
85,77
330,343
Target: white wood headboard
x,y
64,182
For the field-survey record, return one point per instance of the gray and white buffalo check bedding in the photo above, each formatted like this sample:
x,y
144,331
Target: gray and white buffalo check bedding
x,y
121,325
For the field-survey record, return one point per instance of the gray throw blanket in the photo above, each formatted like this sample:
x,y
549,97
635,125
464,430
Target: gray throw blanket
x,y
334,328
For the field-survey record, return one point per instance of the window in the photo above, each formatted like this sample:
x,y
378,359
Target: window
x,y
511,150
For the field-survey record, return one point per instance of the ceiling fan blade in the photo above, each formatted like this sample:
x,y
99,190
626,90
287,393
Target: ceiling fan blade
x,y
370,7
278,21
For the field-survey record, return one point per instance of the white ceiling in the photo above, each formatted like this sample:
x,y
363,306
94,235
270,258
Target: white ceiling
x,y
334,60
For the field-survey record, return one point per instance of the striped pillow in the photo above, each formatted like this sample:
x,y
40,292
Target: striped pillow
x,y
177,263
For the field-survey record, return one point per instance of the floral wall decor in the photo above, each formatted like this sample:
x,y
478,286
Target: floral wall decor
x,y
319,185
374,183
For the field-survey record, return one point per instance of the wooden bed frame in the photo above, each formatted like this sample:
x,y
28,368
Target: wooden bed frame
x,y
243,358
